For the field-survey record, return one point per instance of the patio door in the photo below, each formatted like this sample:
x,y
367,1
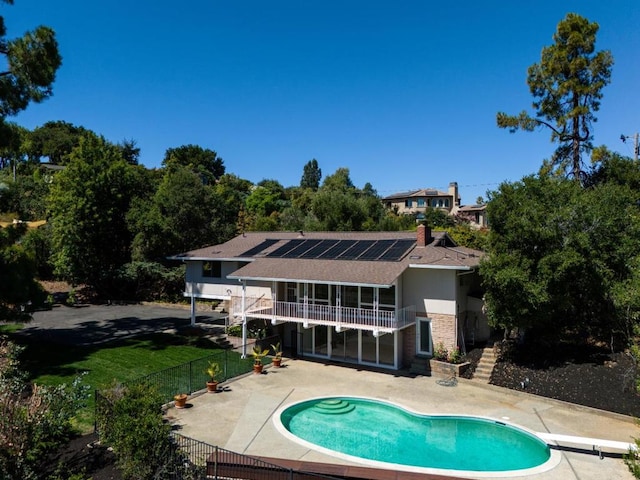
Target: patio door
x,y
423,333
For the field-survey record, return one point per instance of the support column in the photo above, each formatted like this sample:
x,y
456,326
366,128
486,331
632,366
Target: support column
x,y
193,310
244,319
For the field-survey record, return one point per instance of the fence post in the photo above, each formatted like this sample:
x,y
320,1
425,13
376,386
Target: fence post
x,y
215,464
190,372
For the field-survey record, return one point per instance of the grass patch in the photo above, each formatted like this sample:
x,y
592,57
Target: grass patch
x,y
118,361
9,328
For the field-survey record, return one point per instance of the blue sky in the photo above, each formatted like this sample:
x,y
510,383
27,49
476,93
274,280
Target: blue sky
x,y
403,94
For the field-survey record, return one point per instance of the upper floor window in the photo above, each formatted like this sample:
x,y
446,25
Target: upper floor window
x,y
421,202
446,202
408,203
212,269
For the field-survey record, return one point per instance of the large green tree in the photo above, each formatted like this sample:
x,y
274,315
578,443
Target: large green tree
x,y
55,140
201,161
311,175
556,252
31,63
567,87
89,201
176,219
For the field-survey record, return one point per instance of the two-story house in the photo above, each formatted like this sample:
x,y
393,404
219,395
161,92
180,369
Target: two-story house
x,y
374,298
417,201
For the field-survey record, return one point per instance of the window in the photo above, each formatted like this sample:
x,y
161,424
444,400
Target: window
x,y
212,269
408,203
421,202
388,298
446,202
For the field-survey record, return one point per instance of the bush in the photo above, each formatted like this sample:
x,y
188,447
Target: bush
x,y
440,352
130,421
35,421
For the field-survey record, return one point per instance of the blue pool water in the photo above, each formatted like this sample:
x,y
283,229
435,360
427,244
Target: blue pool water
x,y
384,432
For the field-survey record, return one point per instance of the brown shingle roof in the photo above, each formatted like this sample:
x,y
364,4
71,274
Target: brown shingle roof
x,y
441,252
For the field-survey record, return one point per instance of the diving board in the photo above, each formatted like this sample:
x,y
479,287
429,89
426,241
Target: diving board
x,y
598,444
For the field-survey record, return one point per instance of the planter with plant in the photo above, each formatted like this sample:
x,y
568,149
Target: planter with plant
x,y
258,354
180,400
277,355
213,370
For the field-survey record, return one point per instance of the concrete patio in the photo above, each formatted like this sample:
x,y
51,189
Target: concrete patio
x,y
238,418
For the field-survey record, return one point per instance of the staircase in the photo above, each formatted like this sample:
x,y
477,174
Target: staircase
x,y
485,365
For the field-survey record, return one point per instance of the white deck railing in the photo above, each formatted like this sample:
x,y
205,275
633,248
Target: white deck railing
x,y
319,314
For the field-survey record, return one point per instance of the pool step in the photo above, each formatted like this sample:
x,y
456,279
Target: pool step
x,y
333,407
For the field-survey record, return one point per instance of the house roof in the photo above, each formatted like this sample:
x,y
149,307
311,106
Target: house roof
x,y
472,208
425,192
255,247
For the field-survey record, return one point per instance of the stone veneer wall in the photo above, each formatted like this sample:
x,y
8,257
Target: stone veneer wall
x,y
443,329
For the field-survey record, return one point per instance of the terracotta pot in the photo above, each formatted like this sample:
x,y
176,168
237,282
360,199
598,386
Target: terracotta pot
x,y
212,387
276,362
180,400
257,368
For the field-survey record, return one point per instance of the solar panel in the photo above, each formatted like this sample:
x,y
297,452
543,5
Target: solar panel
x,y
319,249
397,250
300,249
258,248
287,247
333,252
356,250
376,250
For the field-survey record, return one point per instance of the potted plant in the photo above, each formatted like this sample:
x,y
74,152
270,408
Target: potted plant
x,y
277,355
180,400
258,354
213,370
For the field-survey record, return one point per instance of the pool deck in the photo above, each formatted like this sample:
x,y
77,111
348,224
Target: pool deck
x,y
238,418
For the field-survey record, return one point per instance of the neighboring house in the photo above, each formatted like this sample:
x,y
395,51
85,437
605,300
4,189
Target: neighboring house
x,y
417,201
476,215
374,298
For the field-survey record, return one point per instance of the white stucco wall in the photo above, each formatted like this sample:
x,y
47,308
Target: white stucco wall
x,y
431,291
220,288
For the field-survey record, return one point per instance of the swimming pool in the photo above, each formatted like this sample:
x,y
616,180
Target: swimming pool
x,y
383,433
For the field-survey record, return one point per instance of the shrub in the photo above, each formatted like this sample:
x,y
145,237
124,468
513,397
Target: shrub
x,y
455,356
34,421
130,421
440,352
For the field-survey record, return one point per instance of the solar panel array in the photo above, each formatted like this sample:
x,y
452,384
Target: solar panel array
x,y
369,250
258,248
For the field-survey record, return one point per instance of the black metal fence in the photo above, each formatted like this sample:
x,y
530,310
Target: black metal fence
x,y
211,462
191,459
191,376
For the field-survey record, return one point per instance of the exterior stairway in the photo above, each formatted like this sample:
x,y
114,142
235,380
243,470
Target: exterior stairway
x,y
485,365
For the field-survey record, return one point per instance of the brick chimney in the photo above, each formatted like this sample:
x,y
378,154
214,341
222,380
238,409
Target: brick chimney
x,y
423,235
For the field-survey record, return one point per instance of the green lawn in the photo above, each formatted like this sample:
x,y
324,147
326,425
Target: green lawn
x,y
52,364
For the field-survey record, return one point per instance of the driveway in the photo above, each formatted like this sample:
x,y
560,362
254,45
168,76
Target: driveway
x,y
95,324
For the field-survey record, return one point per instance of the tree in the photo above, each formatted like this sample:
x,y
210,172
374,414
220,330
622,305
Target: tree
x,y
17,272
176,219
201,161
567,85
556,253
88,202
31,65
311,175
55,140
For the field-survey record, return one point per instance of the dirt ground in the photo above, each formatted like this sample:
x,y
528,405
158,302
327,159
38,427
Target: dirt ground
x,y
587,376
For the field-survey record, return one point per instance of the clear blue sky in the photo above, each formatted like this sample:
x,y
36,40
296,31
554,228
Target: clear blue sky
x,y
403,93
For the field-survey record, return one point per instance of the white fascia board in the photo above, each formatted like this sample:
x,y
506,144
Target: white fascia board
x,y
439,267
298,280
206,259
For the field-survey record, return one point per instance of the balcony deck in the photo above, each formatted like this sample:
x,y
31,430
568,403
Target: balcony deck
x,y
308,314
